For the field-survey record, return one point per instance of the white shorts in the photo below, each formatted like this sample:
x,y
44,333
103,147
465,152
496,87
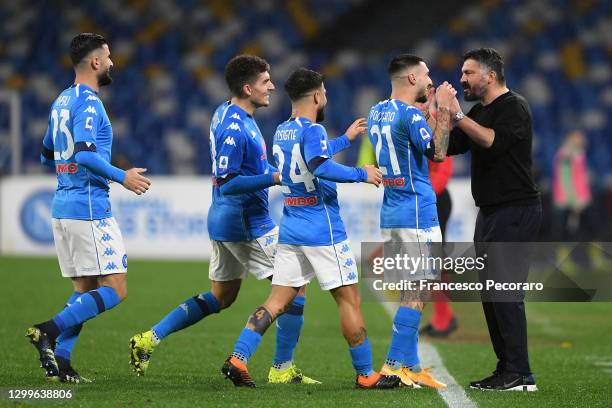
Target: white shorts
x,y
420,235
297,265
415,243
232,260
89,248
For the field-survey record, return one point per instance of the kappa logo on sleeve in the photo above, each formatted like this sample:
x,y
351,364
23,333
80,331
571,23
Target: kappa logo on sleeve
x,y
92,98
235,116
234,126
416,118
229,141
90,109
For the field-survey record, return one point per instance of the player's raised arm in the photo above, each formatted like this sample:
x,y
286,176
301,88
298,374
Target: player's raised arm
x,y
444,97
357,128
322,165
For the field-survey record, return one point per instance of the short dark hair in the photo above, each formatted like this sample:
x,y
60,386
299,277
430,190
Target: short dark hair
x,y
83,44
302,81
401,62
243,69
489,58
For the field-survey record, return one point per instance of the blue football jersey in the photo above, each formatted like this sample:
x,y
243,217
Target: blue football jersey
x,y
402,142
237,147
311,215
78,116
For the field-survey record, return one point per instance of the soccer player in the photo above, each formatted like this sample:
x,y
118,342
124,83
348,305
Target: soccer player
x,y
403,142
89,245
312,239
243,235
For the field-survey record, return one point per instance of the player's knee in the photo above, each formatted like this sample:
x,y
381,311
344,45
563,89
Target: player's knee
x,y
121,292
226,299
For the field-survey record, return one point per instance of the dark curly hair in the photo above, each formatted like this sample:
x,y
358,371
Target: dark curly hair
x,y
490,59
242,70
302,81
83,44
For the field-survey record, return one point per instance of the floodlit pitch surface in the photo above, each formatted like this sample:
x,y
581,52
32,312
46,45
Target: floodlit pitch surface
x,y
570,347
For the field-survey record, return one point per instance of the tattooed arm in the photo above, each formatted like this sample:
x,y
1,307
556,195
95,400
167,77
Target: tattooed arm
x,y
444,96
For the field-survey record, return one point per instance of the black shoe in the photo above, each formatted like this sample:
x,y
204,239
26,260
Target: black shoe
x,y
510,382
68,374
377,381
44,346
476,384
431,331
236,371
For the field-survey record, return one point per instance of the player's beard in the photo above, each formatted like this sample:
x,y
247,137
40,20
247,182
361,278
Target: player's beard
x,y
468,91
423,97
104,78
320,115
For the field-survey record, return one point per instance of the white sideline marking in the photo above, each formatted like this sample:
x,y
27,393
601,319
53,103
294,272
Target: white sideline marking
x,y
453,395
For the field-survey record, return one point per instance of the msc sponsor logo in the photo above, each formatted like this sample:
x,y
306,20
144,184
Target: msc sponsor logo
x,y
66,168
301,201
394,182
35,216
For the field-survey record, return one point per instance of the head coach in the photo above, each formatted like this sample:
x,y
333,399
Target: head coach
x,y
498,132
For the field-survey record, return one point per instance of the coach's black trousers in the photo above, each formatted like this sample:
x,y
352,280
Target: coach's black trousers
x,y
506,319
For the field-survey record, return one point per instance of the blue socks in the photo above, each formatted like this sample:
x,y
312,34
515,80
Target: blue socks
x,y
187,313
288,327
362,358
246,344
67,339
403,349
85,307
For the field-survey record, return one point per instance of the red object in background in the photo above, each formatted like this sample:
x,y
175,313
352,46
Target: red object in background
x,y
440,173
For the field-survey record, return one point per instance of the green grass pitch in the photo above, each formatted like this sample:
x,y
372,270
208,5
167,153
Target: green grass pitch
x,y
570,347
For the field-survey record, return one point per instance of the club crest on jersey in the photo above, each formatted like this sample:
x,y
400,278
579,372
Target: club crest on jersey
x,y
90,109
234,126
229,141
416,117
424,134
